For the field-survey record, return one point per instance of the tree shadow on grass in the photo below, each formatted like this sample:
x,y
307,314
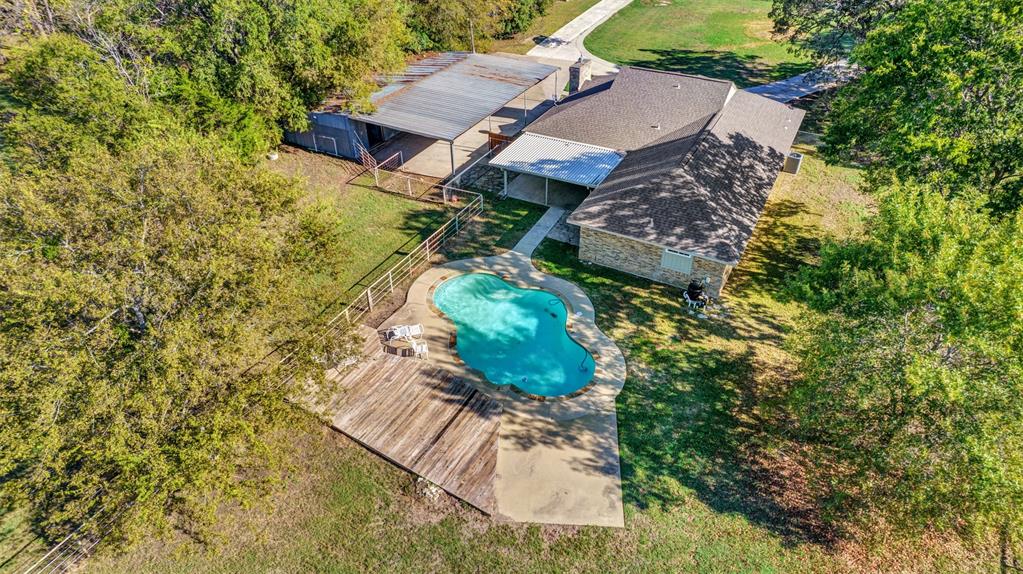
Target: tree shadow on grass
x,y
780,246
700,412
745,71
699,423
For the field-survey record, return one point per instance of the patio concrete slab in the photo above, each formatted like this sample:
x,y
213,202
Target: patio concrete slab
x,y
559,472
533,189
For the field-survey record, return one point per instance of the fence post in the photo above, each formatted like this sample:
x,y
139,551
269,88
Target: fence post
x,y
348,318
390,279
369,298
456,221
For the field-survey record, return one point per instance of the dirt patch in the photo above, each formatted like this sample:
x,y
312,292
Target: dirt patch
x,y
320,173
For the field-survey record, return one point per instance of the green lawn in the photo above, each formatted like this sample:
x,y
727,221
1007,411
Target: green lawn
x,y
711,483
718,38
19,546
498,229
561,12
380,228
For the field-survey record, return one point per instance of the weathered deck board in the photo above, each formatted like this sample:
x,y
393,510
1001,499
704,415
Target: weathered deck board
x,y
421,418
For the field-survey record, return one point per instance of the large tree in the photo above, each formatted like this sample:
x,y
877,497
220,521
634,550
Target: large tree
x,y
462,24
238,69
912,364
940,99
144,269
826,29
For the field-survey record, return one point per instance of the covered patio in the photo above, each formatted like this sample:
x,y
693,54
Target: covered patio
x,y
553,171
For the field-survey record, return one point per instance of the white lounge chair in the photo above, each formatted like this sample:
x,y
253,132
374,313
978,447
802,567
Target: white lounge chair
x,y
404,332
420,350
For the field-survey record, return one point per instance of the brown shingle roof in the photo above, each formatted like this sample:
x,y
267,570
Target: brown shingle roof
x,y
626,116
700,187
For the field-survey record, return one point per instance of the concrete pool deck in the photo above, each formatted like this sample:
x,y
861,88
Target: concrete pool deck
x,y
557,459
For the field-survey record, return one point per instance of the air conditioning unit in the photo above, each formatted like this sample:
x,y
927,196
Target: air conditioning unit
x,y
793,161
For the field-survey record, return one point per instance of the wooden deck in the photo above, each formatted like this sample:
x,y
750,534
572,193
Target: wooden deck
x,y
421,418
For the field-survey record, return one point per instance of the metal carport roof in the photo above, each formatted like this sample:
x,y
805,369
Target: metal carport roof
x,y
444,96
556,158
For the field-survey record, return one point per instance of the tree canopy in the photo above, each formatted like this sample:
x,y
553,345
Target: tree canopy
x,y
911,349
940,99
826,29
460,24
153,273
240,70
912,363
145,268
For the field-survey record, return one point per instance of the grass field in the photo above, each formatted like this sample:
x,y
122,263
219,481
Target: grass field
x,y
381,228
710,482
561,12
728,39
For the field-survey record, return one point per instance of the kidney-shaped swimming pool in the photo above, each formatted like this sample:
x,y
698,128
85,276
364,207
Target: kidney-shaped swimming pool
x,y
514,336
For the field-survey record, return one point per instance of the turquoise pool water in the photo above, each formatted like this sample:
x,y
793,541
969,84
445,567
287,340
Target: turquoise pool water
x,y
514,336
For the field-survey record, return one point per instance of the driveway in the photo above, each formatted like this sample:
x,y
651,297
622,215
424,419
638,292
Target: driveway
x,y
567,42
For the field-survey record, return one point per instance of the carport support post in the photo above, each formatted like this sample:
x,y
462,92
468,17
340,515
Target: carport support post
x,y
546,195
451,146
505,173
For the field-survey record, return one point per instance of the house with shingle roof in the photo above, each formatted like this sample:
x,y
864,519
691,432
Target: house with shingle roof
x,y
678,169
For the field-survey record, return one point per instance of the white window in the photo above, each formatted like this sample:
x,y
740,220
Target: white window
x,y
677,261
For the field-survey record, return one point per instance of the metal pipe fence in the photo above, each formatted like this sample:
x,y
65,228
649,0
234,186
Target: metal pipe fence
x,y
409,267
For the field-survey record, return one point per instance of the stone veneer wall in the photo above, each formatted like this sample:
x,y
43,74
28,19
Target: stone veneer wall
x,y
644,260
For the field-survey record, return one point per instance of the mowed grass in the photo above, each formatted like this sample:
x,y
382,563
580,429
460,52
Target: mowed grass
x,y
728,39
376,228
710,482
559,13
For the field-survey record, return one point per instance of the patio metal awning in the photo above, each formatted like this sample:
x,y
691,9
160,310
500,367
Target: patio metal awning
x,y
558,159
444,96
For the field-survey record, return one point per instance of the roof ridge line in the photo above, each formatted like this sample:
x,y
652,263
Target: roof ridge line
x,y
682,74
707,128
534,134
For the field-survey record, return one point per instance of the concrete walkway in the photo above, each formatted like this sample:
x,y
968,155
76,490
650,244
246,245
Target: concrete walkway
x,y
567,42
811,82
539,231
